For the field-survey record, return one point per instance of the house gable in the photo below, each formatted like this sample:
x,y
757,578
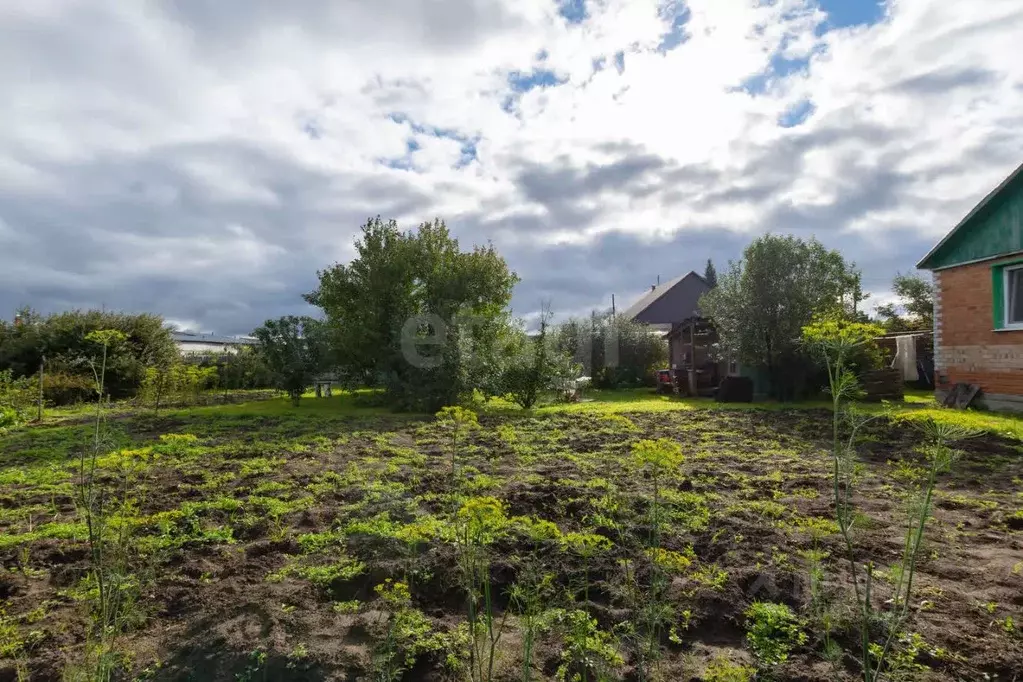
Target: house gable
x,y
994,228
670,303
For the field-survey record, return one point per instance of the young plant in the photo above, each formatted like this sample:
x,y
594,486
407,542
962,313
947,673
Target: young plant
x,y
458,422
529,595
772,631
112,589
480,521
586,546
836,342
659,459
409,633
590,653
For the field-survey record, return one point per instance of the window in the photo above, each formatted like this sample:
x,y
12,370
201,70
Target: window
x,y
1013,283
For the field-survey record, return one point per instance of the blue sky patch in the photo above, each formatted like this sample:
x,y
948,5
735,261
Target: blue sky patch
x,y
844,13
574,11
797,115
620,61
778,68
468,145
537,78
676,35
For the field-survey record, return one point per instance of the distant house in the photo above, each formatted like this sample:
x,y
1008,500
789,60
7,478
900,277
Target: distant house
x,y
669,303
672,309
978,312
190,343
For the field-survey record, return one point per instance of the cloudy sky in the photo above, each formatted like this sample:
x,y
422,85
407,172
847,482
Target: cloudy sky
x,y
203,159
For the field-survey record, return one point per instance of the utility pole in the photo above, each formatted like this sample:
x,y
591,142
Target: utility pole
x,y
613,313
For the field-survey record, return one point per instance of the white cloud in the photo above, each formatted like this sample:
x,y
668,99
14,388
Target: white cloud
x,y
203,160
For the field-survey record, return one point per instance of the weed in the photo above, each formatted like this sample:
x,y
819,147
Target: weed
x,y
409,633
723,670
772,631
480,521
589,653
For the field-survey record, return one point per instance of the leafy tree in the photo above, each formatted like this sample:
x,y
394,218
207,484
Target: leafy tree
x,y
416,314
916,299
295,351
534,365
62,339
761,304
614,351
710,274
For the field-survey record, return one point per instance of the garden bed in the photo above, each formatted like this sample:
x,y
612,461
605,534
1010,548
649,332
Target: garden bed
x,y
259,542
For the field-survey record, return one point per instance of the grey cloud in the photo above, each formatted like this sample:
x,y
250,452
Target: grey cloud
x,y
446,26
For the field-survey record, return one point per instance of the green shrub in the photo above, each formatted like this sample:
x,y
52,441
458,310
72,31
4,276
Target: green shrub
x,y
772,631
723,670
61,338
64,388
16,399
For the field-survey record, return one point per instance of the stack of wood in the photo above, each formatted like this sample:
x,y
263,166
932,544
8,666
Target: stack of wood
x,y
883,384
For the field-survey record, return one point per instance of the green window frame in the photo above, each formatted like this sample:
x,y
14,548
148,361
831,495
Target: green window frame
x,y
1003,276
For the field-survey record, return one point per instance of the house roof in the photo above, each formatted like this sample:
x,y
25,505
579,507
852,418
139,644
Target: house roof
x,y
671,302
192,337
928,261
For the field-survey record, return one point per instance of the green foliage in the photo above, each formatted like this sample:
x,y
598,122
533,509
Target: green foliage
x,y
176,383
589,653
62,339
764,300
915,309
723,670
245,369
16,399
533,365
710,274
772,631
614,351
295,351
832,338
409,633
660,457
414,313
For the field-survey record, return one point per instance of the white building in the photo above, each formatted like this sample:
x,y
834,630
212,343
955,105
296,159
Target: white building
x,y
191,343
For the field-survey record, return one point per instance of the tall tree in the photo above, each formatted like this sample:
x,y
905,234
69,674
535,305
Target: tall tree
x,y
915,308
416,314
710,274
764,300
294,349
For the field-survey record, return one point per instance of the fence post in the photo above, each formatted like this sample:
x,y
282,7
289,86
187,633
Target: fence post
x,y
42,362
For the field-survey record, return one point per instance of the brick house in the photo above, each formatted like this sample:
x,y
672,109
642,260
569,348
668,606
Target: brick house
x,y
978,312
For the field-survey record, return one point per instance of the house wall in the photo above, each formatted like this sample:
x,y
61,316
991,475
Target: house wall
x,y
195,347
967,347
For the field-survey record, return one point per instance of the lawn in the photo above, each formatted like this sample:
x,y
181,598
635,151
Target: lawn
x,y
338,542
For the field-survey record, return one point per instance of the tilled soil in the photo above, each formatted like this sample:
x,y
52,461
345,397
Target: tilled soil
x,y
222,521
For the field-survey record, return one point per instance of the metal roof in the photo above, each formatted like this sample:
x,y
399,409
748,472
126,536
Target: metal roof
x,y
694,286
190,337
923,265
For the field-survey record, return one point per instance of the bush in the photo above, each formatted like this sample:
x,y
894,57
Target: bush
x,y
62,388
16,399
772,631
246,369
61,338
178,383
533,367
615,352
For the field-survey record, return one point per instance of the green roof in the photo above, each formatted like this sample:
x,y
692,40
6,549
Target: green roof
x,y
993,228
